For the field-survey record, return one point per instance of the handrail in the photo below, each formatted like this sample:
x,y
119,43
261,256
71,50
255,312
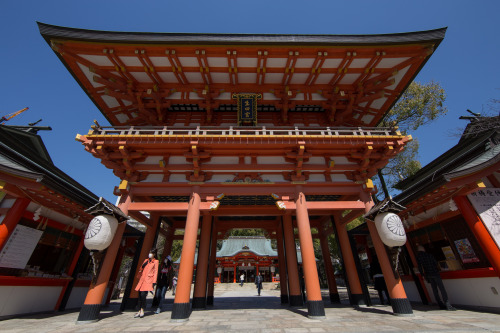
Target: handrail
x,y
242,130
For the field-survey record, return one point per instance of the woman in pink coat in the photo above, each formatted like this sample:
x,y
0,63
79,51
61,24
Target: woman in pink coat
x,y
149,270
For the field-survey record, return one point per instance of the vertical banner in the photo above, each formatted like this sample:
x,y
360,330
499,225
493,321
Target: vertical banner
x,y
486,202
247,108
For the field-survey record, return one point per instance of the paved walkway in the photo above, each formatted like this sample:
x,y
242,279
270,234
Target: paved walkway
x,y
239,309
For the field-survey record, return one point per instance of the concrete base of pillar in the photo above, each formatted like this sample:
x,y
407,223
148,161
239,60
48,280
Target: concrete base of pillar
x,y
199,302
358,300
181,312
210,300
334,298
401,307
284,298
315,309
89,313
296,300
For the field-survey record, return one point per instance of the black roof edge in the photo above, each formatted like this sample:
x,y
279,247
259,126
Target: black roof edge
x,y
414,190
414,193
53,177
450,153
52,31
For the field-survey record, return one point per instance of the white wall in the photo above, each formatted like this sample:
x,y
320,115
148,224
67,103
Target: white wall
x,y
475,292
16,300
471,292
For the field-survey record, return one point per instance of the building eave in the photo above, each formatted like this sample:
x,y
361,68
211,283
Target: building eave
x,y
51,31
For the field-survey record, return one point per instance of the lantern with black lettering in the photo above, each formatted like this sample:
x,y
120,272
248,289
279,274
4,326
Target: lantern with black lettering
x,y
100,232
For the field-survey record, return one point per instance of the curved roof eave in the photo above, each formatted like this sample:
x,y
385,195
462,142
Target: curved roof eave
x,y
435,174
51,31
441,163
20,171
246,251
485,160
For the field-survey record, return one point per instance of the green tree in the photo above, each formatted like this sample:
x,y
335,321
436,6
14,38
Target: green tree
x,y
419,105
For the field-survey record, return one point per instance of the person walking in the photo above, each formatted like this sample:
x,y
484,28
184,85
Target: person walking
x,y
258,283
428,267
242,279
149,274
165,277
174,284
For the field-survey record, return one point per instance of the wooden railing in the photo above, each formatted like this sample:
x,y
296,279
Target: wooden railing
x,y
243,131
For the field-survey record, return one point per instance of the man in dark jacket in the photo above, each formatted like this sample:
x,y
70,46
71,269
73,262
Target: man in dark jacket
x,y
258,283
428,267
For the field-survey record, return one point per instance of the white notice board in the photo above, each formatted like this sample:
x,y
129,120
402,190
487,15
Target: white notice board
x,y
486,202
20,246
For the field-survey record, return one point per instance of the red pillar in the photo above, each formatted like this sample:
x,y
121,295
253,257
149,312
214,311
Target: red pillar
x,y
419,276
282,264
76,256
484,238
114,274
11,219
169,238
234,275
181,308
315,306
349,264
330,272
70,271
399,302
92,306
200,285
212,268
295,296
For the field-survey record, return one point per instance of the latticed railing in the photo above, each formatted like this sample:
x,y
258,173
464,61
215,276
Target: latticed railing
x,y
243,130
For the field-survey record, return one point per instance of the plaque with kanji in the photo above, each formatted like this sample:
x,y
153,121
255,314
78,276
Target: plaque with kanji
x,y
247,108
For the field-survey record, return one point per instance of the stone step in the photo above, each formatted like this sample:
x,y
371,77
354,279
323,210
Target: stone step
x,y
246,286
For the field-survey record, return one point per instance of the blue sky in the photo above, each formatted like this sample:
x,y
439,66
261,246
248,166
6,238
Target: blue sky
x,y
466,63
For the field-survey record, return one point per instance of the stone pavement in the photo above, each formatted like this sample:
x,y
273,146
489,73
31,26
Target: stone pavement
x,y
239,309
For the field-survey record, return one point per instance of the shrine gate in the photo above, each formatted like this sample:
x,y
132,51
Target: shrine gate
x,y
222,131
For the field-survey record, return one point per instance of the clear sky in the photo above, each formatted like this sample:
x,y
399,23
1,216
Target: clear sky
x,y
466,64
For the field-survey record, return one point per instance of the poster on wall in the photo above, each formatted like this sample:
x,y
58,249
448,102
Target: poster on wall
x,y
448,253
486,202
466,251
20,246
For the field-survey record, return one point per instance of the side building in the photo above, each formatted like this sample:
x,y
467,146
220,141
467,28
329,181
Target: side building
x,y
453,211
43,263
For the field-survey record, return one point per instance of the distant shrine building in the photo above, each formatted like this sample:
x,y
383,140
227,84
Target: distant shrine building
x,y
212,132
247,255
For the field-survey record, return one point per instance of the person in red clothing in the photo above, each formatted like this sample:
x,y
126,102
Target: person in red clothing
x,y
149,274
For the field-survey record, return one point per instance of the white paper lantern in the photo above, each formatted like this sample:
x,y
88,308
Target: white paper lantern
x,y
390,229
100,232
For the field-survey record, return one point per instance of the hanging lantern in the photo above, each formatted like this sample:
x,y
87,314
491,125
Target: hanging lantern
x,y
100,232
219,270
390,229
273,269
